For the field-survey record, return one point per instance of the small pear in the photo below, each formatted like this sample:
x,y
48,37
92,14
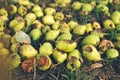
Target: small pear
x,y
75,53
36,8
89,27
12,9
48,20
39,14
115,16
52,34
14,48
59,16
22,10
66,45
28,51
49,11
19,26
46,49
76,5
43,62
64,28
90,40
79,30
59,56
1,45
112,53
108,24
91,53
72,24
56,25
4,52
35,34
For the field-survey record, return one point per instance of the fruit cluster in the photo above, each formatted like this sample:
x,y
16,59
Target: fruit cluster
x,y
63,31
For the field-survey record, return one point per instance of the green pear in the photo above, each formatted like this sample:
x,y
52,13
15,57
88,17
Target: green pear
x,y
14,48
65,36
48,20
73,64
103,2
102,8
12,9
35,34
117,44
46,49
1,45
37,24
3,12
4,52
59,16
115,16
13,23
56,25
72,24
76,5
49,11
28,51
96,25
19,26
22,10
97,33
63,3
89,27
15,60
112,53
79,30
91,53
39,14
43,62
66,45
64,28
45,29
108,24
52,34
36,8
75,53
59,56
90,40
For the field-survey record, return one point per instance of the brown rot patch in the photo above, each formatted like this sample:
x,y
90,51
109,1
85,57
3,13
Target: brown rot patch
x,y
88,49
43,61
9,8
68,41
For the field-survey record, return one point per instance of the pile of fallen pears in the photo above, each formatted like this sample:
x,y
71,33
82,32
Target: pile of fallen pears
x,y
33,35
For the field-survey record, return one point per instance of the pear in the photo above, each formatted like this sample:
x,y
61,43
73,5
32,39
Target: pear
x,y
91,53
43,62
19,26
15,60
12,9
37,24
28,51
96,25
36,8
49,11
23,2
14,48
79,30
90,40
75,53
4,52
64,28
63,3
97,33
72,24
52,34
89,27
59,56
1,45
35,34
3,12
108,24
46,49
115,16
48,20
56,25
102,8
45,29
76,5
65,36
39,14
59,16
73,64
22,10
13,23
103,2
112,53
66,45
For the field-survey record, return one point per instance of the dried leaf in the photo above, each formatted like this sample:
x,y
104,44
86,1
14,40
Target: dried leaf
x,y
96,65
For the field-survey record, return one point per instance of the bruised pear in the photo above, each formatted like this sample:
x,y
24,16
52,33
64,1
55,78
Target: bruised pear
x,y
75,53
22,10
64,28
28,51
14,48
12,9
46,49
112,53
43,62
14,60
66,45
91,53
52,34
59,16
90,40
37,24
73,64
108,24
59,56
35,34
